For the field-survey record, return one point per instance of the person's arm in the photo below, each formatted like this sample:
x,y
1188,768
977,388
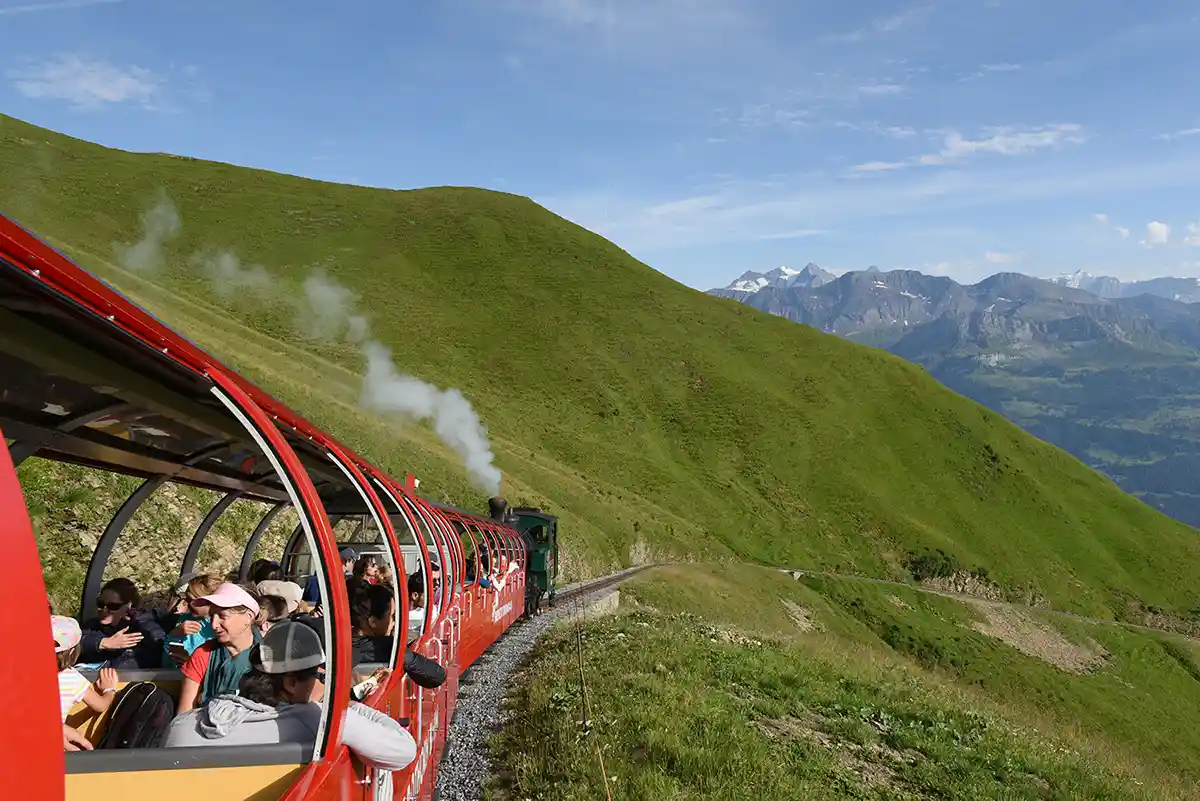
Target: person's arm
x,y
422,670
377,740
99,696
193,673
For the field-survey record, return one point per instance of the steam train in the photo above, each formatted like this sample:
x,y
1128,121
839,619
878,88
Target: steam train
x,y
89,378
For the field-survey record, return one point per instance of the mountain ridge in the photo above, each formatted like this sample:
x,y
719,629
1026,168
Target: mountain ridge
x,y
1065,363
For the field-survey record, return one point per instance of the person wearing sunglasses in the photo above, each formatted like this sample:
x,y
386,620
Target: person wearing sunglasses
x,y
121,634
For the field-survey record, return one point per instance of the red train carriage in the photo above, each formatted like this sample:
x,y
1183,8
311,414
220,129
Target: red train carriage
x,y
89,378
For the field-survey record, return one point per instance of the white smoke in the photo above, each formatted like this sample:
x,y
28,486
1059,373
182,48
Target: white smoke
x,y
326,311
160,222
387,392
230,279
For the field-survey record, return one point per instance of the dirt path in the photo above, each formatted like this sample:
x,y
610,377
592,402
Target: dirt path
x,y
985,602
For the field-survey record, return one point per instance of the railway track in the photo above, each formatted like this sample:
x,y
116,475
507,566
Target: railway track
x,y
465,766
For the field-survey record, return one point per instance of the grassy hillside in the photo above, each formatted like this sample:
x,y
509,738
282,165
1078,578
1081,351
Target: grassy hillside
x,y
843,689
652,418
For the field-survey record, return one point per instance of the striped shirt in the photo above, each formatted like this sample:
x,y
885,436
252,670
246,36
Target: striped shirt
x,y
72,686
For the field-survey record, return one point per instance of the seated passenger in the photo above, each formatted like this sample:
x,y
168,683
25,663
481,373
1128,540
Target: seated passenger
x,y
274,610
72,686
280,703
289,591
435,578
416,606
190,627
473,578
217,666
385,576
122,634
312,591
264,570
366,569
373,613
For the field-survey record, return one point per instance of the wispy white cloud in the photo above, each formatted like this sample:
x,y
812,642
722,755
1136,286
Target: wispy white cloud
x,y
1005,141
879,27
88,84
742,212
1101,218
1193,235
994,257
891,131
1001,67
881,89
1122,232
617,19
61,5
1179,134
798,233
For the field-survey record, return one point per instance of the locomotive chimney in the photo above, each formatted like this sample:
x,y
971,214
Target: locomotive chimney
x,y
497,508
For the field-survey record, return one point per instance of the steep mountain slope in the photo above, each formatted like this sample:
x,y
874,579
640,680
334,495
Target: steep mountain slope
x,y
1111,379
653,418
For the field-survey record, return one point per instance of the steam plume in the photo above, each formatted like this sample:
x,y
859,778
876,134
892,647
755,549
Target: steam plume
x,y
456,423
229,279
326,311
160,222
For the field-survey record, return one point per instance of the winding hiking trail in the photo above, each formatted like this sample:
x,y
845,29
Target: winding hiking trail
x,y
987,602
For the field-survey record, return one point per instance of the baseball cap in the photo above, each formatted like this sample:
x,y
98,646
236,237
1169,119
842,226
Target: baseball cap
x,y
228,595
66,631
289,591
289,647
348,553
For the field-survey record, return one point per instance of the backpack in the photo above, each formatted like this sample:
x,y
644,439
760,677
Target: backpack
x,y
139,717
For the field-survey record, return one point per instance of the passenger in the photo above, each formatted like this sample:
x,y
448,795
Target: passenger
x,y
216,667
72,686
280,703
289,591
122,634
385,575
367,569
274,610
435,577
312,591
191,626
472,577
264,570
373,612
416,606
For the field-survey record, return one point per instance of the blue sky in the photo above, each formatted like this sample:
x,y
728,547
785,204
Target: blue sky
x,y
707,137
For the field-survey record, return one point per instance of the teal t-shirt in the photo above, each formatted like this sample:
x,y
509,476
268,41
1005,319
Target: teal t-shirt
x,y
191,641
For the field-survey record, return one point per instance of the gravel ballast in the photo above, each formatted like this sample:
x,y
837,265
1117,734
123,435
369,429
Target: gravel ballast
x,y
465,765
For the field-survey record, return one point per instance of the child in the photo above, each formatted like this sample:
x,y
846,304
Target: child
x,y
192,626
72,686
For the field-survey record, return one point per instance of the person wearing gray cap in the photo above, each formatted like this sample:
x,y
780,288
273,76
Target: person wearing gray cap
x,y
279,702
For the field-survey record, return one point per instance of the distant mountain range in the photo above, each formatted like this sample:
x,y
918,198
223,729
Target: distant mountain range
x,y
1109,371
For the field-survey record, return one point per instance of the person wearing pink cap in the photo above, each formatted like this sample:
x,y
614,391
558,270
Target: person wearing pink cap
x,y
72,686
216,667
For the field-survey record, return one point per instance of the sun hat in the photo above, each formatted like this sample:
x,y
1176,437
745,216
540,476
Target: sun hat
x,y
66,631
289,591
289,647
228,595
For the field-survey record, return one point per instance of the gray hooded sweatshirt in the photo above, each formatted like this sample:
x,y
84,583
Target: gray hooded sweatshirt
x,y
376,739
